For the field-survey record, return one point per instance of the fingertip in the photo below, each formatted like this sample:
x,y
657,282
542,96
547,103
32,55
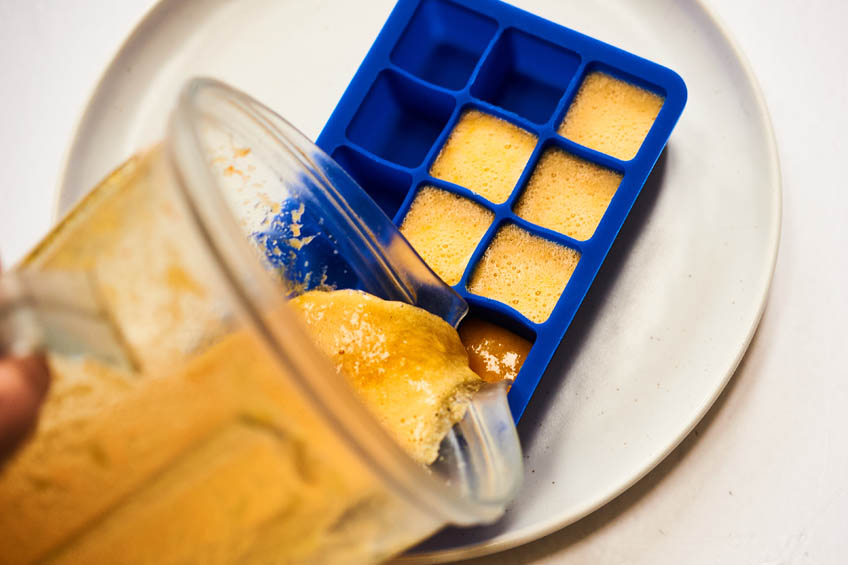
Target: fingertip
x,y
23,385
36,374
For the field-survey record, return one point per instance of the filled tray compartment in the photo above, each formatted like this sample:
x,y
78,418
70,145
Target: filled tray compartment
x,y
497,344
611,112
523,270
567,193
485,154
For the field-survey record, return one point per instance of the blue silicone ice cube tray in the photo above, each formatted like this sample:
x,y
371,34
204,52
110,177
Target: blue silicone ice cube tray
x,y
435,59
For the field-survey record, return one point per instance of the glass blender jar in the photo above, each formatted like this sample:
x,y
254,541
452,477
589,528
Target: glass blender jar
x,y
191,418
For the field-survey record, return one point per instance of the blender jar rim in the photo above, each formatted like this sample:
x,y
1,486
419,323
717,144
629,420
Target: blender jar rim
x,y
256,293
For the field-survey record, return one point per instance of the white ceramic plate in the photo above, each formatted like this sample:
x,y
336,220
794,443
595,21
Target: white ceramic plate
x,y
673,308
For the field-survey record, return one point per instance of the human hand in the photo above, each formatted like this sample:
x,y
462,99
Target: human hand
x,y
23,385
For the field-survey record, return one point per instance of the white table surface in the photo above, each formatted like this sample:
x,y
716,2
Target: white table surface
x,y
764,478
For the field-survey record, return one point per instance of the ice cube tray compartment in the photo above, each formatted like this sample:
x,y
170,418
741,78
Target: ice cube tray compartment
x,y
400,119
525,75
393,183
433,61
443,42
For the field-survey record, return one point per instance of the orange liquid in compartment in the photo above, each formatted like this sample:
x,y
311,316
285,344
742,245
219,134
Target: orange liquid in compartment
x,y
494,353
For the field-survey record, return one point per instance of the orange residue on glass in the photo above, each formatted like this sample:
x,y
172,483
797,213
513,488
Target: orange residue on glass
x,y
229,171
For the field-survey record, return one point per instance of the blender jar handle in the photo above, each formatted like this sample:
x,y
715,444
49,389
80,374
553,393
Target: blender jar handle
x,y
20,332
59,312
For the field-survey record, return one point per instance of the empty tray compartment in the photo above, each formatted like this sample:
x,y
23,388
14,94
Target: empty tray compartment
x,y
443,43
525,75
399,120
388,186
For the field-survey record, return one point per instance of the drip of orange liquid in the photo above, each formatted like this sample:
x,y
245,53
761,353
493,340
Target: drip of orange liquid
x,y
494,353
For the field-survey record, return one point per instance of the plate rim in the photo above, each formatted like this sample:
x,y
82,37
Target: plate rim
x,y
56,212
517,538
528,534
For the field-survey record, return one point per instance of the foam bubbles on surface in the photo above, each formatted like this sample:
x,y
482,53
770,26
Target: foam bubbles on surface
x,y
610,115
485,155
567,194
525,272
445,229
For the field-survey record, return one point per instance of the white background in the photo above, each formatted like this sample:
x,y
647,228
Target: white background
x,y
764,478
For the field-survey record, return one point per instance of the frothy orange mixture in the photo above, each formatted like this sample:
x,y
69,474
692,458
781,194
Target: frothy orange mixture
x,y
494,352
525,272
567,194
445,229
485,155
610,115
